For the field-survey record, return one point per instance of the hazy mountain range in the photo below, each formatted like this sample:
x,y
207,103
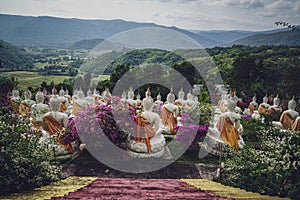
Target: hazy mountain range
x,y
60,32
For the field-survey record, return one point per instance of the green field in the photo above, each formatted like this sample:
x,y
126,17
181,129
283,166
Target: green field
x,y
33,79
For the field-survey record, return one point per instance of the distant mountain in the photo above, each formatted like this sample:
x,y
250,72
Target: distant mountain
x,y
289,38
13,58
86,44
225,37
60,32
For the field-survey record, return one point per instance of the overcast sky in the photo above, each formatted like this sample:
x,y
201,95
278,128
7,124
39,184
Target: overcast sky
x,y
188,14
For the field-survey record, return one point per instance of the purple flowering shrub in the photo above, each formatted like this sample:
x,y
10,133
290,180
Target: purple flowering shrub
x,y
190,133
103,121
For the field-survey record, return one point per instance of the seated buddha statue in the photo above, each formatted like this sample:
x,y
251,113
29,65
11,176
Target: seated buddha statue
x,y
147,141
79,104
123,98
25,105
106,94
64,102
158,103
138,101
180,101
15,101
74,96
275,108
253,105
54,124
289,116
169,113
89,98
130,100
38,110
263,107
228,128
190,103
68,97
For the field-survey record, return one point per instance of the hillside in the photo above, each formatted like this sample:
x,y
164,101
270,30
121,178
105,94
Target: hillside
x,y
289,38
86,44
60,32
107,62
13,58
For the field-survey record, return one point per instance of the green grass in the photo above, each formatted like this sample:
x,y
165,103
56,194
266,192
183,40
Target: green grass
x,y
33,79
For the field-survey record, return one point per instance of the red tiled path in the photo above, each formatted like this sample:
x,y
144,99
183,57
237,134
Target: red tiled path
x,y
131,188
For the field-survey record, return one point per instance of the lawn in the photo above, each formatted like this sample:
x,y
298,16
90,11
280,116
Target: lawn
x,y
33,79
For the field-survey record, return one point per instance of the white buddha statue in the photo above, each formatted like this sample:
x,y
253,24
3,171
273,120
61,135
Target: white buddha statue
x,y
106,94
158,101
263,107
68,96
63,101
54,124
138,100
180,101
190,103
228,128
79,104
124,98
169,113
130,100
289,116
89,98
15,100
148,140
75,97
253,105
25,105
54,91
39,109
275,108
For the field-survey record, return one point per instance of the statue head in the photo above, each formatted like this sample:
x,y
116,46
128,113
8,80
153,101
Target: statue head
x,y
27,95
181,94
148,93
89,93
130,93
80,94
171,97
158,97
54,103
148,103
276,100
75,92
254,98
54,91
123,95
189,96
138,96
15,93
39,97
265,99
231,104
67,92
61,92
292,104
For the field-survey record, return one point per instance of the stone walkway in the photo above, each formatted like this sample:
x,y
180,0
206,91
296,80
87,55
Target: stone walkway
x,y
132,188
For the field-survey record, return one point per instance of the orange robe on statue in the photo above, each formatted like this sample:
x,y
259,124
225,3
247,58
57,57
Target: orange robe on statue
x,y
251,108
52,126
286,120
296,125
62,107
228,132
144,131
262,109
77,109
168,119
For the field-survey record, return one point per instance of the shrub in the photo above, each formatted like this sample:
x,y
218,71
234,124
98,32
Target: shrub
x,y
25,163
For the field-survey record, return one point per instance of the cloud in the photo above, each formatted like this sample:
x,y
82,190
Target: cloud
x,y
266,14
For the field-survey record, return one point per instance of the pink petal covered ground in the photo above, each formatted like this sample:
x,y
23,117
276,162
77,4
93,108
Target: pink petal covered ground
x,y
131,188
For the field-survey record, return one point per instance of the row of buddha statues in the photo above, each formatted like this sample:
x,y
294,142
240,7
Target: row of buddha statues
x,y
53,117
